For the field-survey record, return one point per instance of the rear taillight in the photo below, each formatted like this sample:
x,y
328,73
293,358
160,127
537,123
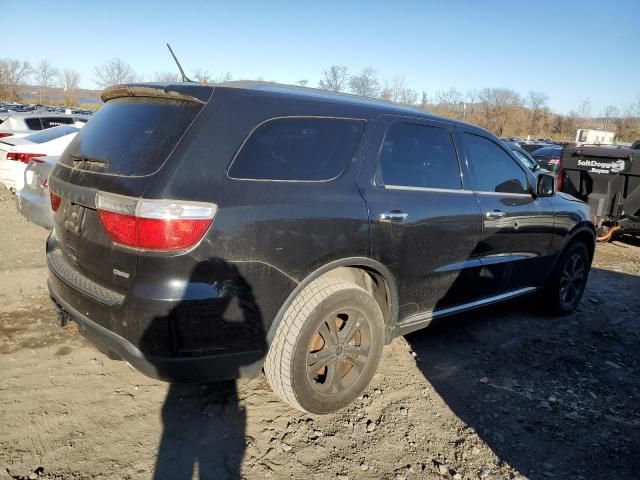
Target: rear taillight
x,y
560,181
5,134
154,224
554,162
56,200
25,157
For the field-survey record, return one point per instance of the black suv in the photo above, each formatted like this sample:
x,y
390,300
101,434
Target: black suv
x,y
209,232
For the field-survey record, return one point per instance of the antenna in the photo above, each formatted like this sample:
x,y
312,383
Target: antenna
x,y
184,77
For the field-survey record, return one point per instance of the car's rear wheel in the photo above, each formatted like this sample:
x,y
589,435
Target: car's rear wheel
x,y
327,346
567,282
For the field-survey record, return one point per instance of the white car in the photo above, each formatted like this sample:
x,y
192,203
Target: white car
x,y
15,153
18,124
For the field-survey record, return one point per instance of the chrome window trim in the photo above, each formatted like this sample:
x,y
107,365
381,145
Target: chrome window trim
x,y
482,192
426,189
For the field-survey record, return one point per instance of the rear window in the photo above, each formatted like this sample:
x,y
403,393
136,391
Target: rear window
x,y
33,123
51,134
302,149
50,122
131,135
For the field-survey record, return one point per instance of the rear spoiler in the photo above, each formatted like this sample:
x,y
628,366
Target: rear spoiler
x,y
189,92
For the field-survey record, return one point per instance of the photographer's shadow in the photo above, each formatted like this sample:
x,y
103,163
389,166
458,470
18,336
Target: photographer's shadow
x,y
204,424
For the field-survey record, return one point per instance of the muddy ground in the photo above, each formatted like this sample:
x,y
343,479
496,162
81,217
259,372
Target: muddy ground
x,y
506,392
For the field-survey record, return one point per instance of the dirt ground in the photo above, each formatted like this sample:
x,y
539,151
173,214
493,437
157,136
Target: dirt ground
x,y
506,392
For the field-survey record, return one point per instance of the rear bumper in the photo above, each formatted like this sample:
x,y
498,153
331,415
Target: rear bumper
x,y
12,174
35,208
179,370
209,330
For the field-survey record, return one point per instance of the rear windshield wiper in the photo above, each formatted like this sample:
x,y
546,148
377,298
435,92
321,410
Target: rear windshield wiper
x,y
90,161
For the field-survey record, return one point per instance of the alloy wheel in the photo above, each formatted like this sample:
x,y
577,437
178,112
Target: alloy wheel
x,y
338,351
573,279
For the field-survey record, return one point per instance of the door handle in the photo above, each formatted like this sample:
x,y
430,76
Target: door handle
x,y
393,216
495,214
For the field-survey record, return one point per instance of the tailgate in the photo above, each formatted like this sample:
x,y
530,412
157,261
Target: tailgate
x,y
119,150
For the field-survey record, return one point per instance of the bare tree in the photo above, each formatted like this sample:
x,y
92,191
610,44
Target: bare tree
x,y
223,77
609,113
536,101
169,77
46,76
70,82
408,96
424,102
499,104
450,99
633,109
303,83
201,75
584,110
366,84
13,73
114,72
334,78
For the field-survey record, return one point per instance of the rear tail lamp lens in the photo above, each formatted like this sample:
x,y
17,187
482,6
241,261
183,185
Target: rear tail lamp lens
x,y
5,134
56,200
560,181
25,157
154,224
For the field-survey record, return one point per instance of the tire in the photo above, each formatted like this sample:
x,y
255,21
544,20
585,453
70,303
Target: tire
x,y
305,340
561,293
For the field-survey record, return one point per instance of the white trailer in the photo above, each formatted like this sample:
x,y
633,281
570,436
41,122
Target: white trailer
x,y
586,136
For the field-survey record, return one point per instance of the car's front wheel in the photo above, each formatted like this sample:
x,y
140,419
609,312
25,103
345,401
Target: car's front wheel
x,y
327,346
567,282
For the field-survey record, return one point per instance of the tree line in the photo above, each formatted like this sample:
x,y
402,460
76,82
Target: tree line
x,y
502,111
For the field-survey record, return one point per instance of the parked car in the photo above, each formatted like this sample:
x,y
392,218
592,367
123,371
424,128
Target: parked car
x,y
206,233
524,156
19,125
550,158
16,153
33,201
532,147
636,145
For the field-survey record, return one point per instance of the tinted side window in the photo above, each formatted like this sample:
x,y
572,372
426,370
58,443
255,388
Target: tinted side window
x,y
304,149
494,169
524,159
48,122
418,156
33,123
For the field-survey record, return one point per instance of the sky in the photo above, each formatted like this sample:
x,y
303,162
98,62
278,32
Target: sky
x,y
569,50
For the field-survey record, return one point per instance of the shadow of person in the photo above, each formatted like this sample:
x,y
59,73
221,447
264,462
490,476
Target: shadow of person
x,y
216,320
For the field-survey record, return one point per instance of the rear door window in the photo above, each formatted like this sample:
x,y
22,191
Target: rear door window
x,y
494,169
297,149
418,156
131,135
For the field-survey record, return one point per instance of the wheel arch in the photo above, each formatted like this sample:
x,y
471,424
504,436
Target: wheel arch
x,y
365,272
584,232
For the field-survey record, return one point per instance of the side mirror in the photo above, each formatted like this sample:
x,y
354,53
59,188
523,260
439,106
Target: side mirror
x,y
546,185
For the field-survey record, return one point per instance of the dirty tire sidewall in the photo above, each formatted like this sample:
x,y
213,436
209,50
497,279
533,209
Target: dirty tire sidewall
x,y
286,362
306,396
